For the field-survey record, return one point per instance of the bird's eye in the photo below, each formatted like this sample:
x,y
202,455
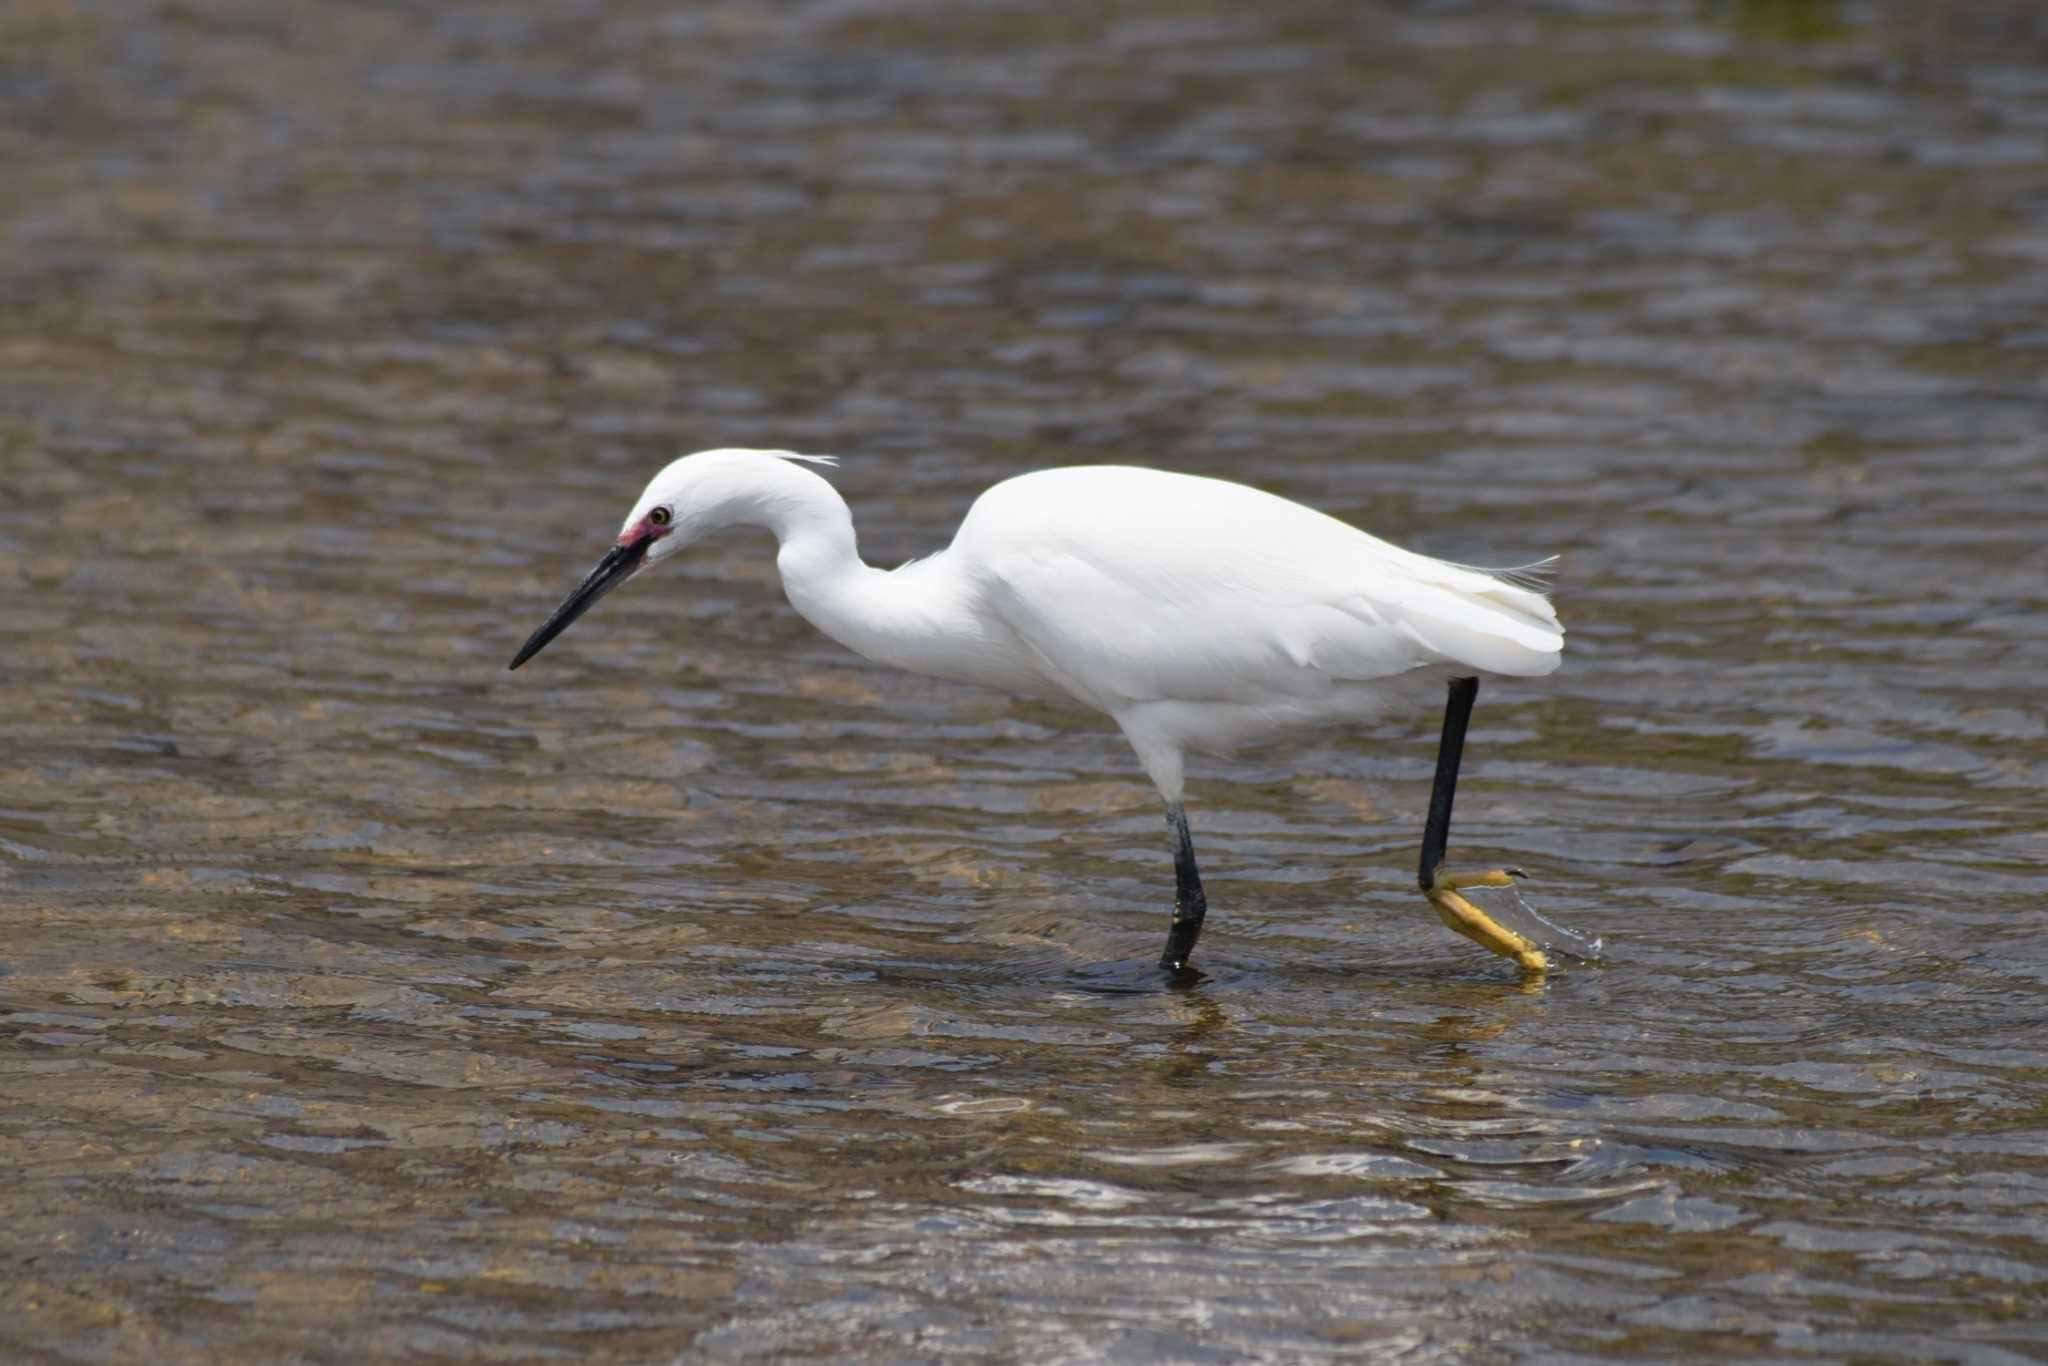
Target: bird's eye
x,y
661,516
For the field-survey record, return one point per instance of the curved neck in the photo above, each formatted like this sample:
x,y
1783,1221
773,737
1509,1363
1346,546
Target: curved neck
x,y
892,618
811,524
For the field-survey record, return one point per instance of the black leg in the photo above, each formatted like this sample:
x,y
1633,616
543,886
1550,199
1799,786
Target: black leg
x,y
1189,905
1436,831
1443,889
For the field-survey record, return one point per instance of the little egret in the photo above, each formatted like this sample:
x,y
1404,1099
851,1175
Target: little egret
x,y
1198,614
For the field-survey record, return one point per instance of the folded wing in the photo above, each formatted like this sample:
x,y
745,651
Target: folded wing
x,y
1134,585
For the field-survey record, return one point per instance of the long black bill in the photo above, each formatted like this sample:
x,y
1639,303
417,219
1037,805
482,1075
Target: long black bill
x,y
614,569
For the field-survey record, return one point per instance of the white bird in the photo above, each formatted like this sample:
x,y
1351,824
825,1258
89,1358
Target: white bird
x,y
1198,614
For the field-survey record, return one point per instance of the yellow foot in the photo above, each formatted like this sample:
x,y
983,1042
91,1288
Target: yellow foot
x,y
1476,925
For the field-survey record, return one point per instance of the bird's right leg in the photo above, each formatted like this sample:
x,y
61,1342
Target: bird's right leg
x,y
1443,887
1189,904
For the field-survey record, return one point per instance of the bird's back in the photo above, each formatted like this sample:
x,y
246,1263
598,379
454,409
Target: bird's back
x,y
1135,586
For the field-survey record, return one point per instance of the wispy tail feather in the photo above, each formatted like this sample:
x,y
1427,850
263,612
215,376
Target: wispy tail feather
x,y
1530,578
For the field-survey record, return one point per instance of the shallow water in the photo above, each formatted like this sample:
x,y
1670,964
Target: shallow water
x,y
703,991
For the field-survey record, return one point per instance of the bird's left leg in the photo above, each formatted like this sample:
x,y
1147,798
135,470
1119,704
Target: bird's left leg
x,y
1189,904
1443,887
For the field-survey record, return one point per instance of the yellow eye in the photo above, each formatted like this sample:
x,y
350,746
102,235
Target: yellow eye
x,y
661,516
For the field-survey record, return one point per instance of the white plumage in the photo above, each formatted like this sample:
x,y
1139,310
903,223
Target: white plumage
x,y
1199,614
1203,615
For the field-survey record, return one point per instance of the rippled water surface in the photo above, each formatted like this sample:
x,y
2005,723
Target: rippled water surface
x,y
703,991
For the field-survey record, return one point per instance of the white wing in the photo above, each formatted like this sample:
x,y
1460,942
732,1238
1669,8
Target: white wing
x,y
1134,585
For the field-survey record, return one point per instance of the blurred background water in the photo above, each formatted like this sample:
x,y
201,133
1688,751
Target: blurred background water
x,y
702,991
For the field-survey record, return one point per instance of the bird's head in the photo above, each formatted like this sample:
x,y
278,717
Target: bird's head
x,y
693,496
